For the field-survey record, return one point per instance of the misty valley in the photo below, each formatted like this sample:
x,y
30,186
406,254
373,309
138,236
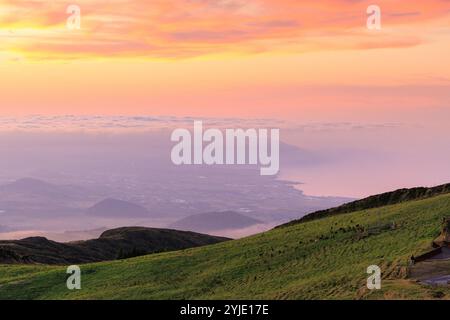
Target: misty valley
x,y
101,187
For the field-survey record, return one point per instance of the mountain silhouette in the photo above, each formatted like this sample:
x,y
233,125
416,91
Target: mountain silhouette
x,y
113,244
214,221
114,208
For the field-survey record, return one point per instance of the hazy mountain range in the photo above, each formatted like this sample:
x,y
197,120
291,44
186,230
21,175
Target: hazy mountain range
x,y
84,181
50,209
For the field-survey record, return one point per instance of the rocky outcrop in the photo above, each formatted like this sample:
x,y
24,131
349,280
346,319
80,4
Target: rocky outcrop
x,y
444,238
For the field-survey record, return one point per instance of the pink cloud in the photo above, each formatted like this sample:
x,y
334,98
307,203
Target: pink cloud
x,y
180,28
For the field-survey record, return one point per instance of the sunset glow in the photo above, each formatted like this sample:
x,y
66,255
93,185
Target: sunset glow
x,y
280,58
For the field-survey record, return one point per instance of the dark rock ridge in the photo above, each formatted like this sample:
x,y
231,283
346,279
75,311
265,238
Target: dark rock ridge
x,y
111,245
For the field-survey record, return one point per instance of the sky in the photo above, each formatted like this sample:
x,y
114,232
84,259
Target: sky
x,y
312,63
309,60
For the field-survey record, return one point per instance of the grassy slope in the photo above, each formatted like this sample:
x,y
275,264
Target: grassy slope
x,y
305,261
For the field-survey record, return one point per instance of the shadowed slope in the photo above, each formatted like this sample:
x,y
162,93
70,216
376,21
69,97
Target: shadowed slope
x,y
113,244
320,259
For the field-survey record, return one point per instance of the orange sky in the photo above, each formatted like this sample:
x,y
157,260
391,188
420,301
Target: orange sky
x,y
265,58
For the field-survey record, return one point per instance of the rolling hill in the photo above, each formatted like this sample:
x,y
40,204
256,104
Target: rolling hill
x,y
323,258
114,208
376,201
40,200
4,228
214,221
112,244
34,187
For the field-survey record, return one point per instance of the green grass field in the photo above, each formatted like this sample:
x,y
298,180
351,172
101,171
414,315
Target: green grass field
x,y
321,259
